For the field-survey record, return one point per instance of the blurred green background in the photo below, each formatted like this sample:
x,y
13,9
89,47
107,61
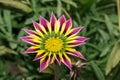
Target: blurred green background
x,y
100,21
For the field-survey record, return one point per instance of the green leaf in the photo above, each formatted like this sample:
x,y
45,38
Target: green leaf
x,y
114,58
7,19
104,34
59,7
15,5
4,50
109,25
97,71
70,2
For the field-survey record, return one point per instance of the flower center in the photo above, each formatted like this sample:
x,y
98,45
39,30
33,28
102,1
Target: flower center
x,y
54,44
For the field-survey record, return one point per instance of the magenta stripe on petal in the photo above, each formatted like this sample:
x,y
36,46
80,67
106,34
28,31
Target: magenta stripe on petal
x,y
68,24
30,31
82,39
50,59
43,64
52,20
76,30
67,62
77,43
58,59
37,57
30,50
36,25
25,37
62,19
76,54
30,41
43,21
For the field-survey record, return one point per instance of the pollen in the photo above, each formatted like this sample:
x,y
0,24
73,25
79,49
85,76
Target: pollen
x,y
54,44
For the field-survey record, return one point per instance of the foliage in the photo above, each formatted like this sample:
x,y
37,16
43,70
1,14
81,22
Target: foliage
x,y
99,18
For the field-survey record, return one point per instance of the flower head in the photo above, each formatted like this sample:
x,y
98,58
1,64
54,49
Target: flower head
x,y
54,40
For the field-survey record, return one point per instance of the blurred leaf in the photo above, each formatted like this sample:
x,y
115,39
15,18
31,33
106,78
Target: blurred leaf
x,y
7,19
1,65
109,25
114,58
15,5
4,50
105,51
29,20
70,2
48,70
104,34
59,7
43,1
34,5
1,20
12,68
97,71
13,45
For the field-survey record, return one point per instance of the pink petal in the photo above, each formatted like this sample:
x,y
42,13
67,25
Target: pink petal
x,y
43,21
50,59
62,19
76,30
82,39
52,20
76,54
37,57
30,41
68,24
67,62
77,43
36,26
30,31
43,64
58,59
30,50
26,37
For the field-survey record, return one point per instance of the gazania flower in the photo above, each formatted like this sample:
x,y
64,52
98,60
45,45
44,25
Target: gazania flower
x,y
54,41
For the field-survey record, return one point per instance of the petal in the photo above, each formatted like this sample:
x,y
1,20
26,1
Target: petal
x,y
36,26
52,20
76,54
31,32
80,38
68,24
70,49
40,29
25,37
32,49
62,19
75,31
35,37
66,27
66,60
27,40
40,55
49,27
57,26
62,28
43,63
58,59
51,58
77,43
43,22
43,28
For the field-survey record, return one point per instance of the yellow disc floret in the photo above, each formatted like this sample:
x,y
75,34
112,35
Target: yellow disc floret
x,y
54,44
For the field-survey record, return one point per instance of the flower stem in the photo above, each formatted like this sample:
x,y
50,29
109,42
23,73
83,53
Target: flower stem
x,y
56,71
